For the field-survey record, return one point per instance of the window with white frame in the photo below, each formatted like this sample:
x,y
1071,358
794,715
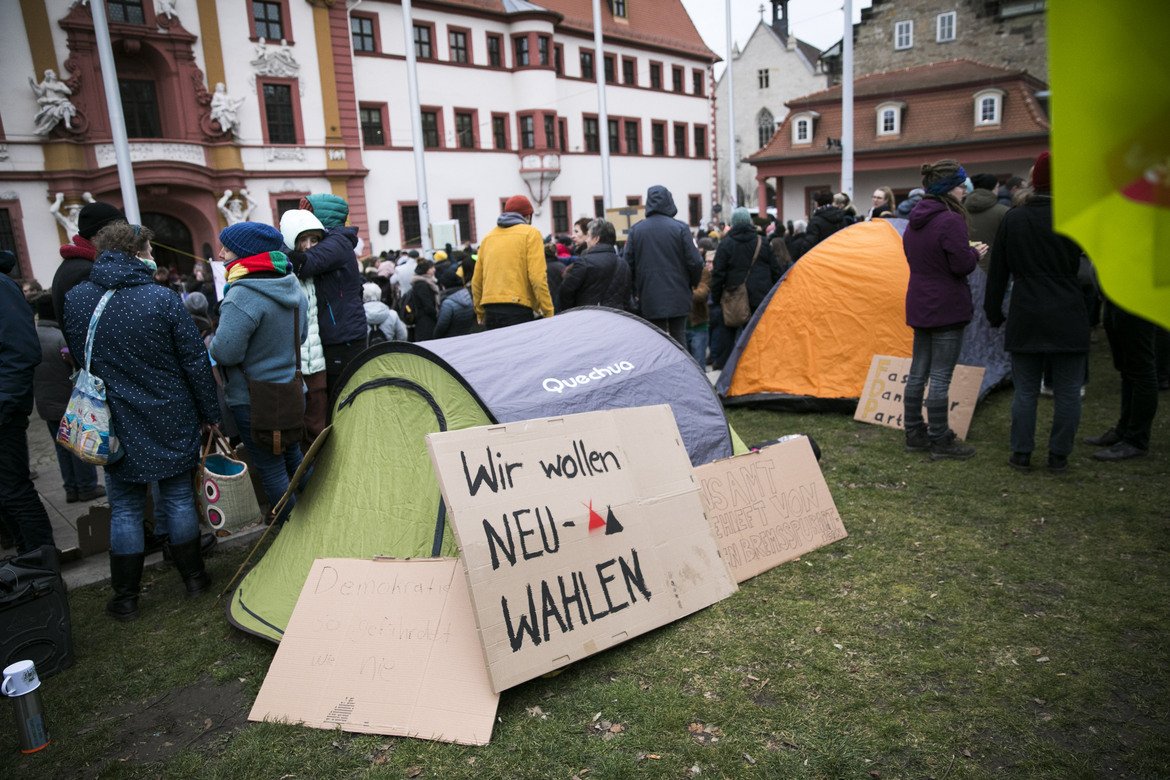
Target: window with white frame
x,y
988,107
802,128
945,27
889,118
904,34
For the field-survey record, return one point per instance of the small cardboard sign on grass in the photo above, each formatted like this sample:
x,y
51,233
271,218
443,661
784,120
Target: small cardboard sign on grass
x,y
769,507
881,397
577,533
382,647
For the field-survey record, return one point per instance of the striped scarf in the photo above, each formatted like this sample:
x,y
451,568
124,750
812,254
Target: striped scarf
x,y
272,262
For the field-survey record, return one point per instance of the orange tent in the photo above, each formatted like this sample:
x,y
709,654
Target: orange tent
x,y
810,343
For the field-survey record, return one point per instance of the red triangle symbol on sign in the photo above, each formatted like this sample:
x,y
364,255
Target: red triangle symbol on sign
x,y
596,521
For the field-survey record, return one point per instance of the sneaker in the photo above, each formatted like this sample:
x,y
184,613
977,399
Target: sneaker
x,y
1057,463
70,496
1021,461
950,448
917,440
1122,450
1107,439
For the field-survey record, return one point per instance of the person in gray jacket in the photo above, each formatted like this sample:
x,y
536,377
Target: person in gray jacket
x,y
665,265
255,338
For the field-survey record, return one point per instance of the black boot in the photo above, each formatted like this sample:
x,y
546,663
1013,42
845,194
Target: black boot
x,y
189,562
207,543
125,578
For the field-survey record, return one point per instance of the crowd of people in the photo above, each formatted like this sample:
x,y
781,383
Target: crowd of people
x,y
258,360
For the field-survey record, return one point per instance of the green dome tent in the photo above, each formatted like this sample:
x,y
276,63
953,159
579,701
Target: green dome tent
x,y
373,491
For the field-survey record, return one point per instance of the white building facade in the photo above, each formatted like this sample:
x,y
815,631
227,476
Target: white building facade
x,y
315,99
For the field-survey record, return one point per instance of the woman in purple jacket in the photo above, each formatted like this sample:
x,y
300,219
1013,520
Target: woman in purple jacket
x,y
938,305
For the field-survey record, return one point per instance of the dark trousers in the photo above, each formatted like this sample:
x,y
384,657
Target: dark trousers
x,y
722,338
502,315
1067,376
19,503
936,351
675,327
337,357
1131,339
76,475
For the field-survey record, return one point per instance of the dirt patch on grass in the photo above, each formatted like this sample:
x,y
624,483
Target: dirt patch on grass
x,y
159,728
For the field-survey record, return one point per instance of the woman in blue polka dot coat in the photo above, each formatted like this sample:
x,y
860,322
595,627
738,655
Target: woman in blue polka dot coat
x,y
161,393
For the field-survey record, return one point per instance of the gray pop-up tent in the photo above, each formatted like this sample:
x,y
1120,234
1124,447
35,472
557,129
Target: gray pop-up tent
x,y
373,491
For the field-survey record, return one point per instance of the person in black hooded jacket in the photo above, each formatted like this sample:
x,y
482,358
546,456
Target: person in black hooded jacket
x,y
665,264
826,220
598,277
734,265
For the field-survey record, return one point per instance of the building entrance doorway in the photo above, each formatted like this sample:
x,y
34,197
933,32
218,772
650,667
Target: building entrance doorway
x,y
172,242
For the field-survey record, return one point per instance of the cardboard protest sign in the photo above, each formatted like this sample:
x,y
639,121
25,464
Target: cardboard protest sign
x,y
768,507
624,218
881,397
577,533
382,647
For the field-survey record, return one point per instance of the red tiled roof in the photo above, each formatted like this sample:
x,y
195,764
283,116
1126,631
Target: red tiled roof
x,y
940,109
660,23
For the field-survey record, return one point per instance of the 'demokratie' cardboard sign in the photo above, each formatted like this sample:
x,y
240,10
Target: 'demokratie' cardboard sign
x,y
382,647
768,507
577,533
881,397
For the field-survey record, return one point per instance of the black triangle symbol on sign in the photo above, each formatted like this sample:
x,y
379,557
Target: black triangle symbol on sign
x,y
612,526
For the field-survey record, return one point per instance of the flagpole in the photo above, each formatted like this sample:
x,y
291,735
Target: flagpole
x,y
420,168
602,114
101,29
847,102
732,184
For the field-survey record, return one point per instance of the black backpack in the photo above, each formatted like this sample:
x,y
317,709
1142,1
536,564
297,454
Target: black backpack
x,y
406,307
375,336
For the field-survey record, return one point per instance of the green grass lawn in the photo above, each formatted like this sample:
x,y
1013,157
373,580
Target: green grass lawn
x,y
976,622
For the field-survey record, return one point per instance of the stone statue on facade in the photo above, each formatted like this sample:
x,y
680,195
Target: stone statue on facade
x,y
275,60
167,8
224,109
236,209
55,106
68,220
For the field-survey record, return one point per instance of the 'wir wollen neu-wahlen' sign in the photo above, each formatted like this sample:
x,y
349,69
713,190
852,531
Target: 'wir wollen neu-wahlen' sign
x,y
577,533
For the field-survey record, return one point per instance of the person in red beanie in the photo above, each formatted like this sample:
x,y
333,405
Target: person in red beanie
x,y
510,285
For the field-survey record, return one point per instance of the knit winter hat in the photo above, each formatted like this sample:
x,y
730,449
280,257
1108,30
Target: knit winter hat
x,y
330,209
440,256
196,303
7,260
985,181
519,204
251,238
294,222
95,216
371,292
740,217
1042,173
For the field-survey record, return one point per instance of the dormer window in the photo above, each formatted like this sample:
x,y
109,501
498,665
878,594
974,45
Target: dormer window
x,y
989,107
903,34
802,128
889,118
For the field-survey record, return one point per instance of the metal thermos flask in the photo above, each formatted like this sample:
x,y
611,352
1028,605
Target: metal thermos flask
x,y
30,720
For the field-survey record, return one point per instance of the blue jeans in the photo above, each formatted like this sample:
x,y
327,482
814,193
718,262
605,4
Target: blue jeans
x,y
128,506
1068,374
697,339
76,474
275,470
936,351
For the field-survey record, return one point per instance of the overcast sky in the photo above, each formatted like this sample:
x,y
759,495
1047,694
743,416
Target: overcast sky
x,y
819,22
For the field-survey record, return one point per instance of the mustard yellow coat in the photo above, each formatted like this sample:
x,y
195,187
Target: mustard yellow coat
x,y
511,269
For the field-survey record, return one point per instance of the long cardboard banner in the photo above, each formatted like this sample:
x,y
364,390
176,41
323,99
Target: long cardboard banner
x,y
382,647
881,397
577,533
769,507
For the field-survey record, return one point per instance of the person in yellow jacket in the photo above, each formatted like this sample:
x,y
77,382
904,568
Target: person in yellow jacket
x,y
510,284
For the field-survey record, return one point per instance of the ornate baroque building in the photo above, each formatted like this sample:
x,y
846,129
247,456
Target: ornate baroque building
x,y
314,99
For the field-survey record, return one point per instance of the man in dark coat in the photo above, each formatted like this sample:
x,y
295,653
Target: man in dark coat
x,y
826,220
665,265
20,353
985,211
77,257
1048,322
598,277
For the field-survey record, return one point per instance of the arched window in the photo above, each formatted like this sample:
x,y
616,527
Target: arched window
x,y
889,117
765,126
988,107
802,127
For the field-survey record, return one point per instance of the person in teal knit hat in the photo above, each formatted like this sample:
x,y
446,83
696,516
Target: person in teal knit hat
x,y
332,265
